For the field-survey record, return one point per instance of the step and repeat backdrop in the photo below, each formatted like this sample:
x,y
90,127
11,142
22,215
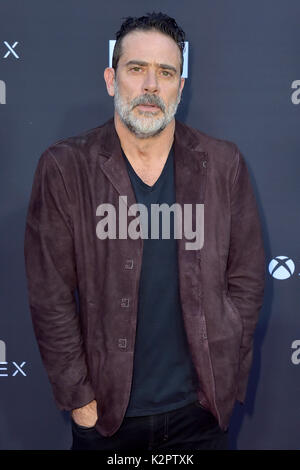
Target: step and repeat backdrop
x,y
242,69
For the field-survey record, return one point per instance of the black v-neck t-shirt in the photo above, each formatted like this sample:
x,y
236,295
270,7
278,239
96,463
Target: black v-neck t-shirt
x,y
164,377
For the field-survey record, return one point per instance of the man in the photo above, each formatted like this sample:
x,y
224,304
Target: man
x,y
147,340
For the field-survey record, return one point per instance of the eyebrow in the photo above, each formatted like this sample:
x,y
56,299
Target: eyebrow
x,y
142,63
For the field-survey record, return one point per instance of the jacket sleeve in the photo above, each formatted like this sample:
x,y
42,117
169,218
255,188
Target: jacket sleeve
x,y
52,281
246,265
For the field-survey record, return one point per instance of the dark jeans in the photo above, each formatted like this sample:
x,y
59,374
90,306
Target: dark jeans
x,y
189,428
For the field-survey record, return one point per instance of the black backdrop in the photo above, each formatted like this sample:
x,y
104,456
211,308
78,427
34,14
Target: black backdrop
x,y
243,85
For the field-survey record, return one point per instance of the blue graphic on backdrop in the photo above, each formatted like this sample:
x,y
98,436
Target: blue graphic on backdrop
x,y
281,267
11,50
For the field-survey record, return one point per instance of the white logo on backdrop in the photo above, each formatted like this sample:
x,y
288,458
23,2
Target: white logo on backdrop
x,y
2,92
296,353
2,351
18,368
11,50
112,43
281,267
296,94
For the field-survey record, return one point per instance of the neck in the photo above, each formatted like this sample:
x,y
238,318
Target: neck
x,y
150,149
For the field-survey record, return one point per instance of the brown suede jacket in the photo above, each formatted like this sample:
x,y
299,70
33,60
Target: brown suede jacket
x,y
87,347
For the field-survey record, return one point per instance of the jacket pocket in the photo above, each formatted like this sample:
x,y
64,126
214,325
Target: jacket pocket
x,y
237,329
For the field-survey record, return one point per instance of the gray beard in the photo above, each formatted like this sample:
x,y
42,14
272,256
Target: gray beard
x,y
146,124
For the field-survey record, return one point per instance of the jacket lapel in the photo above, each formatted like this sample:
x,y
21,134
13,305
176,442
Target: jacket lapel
x,y
191,162
112,162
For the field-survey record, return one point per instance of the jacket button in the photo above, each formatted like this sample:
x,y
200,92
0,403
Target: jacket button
x,y
122,343
128,264
124,302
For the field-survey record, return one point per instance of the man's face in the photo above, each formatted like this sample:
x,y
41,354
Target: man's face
x,y
148,84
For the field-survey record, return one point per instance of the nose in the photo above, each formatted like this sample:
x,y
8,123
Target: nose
x,y
150,84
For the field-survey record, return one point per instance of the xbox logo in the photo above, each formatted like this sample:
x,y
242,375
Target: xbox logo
x,y
281,267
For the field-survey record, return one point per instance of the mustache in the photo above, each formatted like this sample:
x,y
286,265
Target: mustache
x,y
148,99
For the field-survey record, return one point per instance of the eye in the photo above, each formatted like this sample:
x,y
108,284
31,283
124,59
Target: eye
x,y
136,68
166,73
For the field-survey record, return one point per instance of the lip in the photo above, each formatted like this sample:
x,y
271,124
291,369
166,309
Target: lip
x,y
148,107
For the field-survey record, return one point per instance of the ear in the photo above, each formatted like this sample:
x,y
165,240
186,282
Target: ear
x,y
182,82
109,77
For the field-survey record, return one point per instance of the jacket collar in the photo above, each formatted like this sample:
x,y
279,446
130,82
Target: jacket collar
x,y
190,163
109,142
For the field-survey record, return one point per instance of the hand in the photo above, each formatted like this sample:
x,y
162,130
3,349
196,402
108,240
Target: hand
x,y
86,415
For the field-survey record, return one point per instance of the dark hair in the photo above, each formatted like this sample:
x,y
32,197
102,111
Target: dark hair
x,y
152,21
